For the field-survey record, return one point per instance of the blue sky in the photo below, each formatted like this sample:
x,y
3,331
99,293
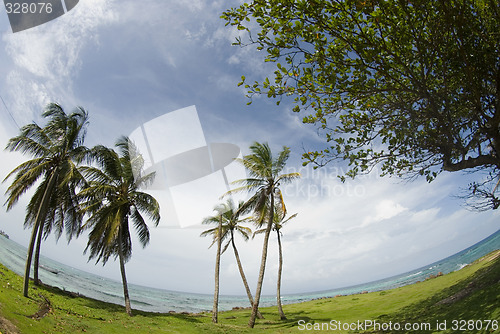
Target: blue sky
x,y
128,62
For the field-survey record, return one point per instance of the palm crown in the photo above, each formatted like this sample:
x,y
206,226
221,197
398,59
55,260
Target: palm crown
x,y
265,177
230,223
56,149
113,197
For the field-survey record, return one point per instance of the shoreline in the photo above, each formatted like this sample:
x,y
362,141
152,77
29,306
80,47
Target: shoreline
x,y
471,292
487,258
162,300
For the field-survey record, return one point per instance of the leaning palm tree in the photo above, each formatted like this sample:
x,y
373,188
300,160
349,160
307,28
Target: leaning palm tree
x,y
228,216
264,180
57,149
217,238
280,219
112,198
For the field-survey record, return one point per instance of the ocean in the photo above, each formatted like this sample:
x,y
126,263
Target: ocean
x,y
13,255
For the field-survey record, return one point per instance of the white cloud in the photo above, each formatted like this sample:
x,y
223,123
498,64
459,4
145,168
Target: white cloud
x,y
385,209
425,216
48,56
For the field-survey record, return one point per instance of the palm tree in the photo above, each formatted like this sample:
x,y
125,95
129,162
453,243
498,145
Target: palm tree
x,y
280,219
228,217
112,198
217,238
264,179
56,149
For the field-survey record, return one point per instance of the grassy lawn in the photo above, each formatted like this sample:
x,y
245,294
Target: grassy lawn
x,y
472,293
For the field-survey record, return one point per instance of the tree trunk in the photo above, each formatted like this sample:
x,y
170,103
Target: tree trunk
x,y
28,258
242,273
217,270
251,322
278,290
40,217
37,255
128,308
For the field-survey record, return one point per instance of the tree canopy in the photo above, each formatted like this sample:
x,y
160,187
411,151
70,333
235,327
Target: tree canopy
x,y
409,86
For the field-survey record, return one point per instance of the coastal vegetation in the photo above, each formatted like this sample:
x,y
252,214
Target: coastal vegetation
x,y
112,199
107,191
280,219
470,293
265,177
56,150
228,217
104,185
263,183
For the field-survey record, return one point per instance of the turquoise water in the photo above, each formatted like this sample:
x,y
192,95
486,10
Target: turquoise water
x,y
143,298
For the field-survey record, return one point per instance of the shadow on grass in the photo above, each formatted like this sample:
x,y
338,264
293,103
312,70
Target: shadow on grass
x,y
111,308
475,298
292,320
188,317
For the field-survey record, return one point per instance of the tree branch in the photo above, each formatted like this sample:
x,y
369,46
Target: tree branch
x,y
470,162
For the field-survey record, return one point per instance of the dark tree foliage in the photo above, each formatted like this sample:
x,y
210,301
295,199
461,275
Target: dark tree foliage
x,y
409,86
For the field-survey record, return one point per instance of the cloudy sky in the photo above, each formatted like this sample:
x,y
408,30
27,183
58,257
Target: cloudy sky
x,y
129,62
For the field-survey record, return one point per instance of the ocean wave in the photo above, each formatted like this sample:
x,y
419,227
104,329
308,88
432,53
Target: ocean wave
x,y
136,301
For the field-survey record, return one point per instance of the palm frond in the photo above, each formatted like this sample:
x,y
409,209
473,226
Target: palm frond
x,y
225,247
148,205
28,145
23,182
287,178
244,231
210,220
140,227
279,164
261,231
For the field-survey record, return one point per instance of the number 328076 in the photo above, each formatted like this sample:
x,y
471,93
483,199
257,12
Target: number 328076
x,y
471,325
31,8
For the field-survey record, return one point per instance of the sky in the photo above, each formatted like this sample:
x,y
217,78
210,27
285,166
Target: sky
x,y
133,65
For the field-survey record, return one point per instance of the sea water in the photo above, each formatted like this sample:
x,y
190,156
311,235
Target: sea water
x,y
13,255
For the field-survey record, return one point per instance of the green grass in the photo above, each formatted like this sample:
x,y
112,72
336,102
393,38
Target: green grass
x,y
475,292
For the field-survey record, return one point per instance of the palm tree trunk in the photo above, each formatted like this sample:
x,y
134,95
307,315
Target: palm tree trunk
x,y
40,217
280,267
37,255
27,267
243,277
217,270
128,308
251,322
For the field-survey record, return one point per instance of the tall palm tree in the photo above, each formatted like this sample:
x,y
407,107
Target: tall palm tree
x,y
264,179
218,239
280,219
57,149
228,216
112,198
